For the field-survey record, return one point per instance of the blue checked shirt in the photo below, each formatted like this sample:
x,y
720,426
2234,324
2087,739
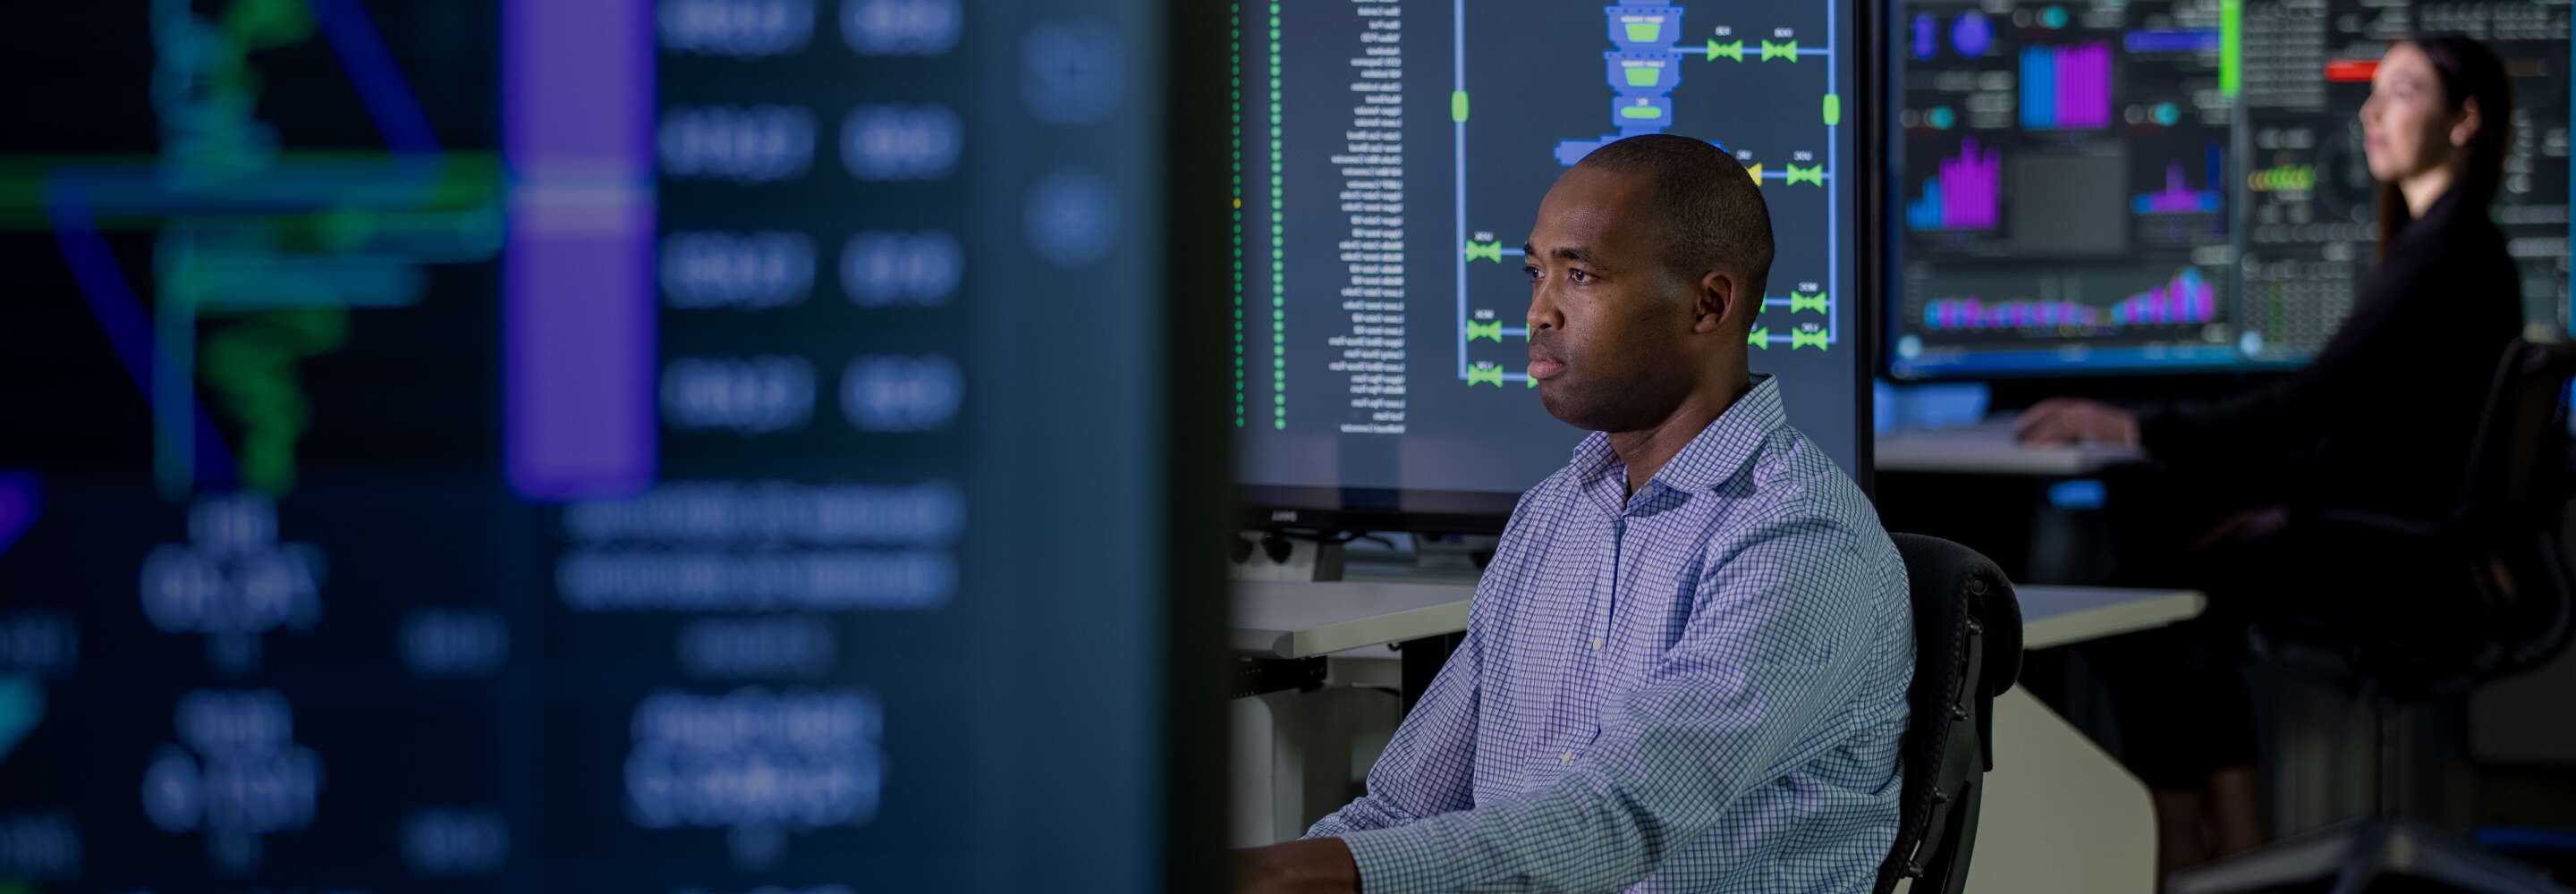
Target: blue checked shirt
x,y
1700,687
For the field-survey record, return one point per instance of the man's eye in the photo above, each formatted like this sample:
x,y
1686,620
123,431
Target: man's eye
x,y
1532,270
1578,274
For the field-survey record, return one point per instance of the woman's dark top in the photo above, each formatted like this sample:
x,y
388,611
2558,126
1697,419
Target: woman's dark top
x,y
2384,416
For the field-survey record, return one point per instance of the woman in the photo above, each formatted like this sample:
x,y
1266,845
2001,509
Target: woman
x,y
2381,420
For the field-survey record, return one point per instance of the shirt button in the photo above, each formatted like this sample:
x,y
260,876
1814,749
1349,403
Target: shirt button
x,y
1565,758
1596,644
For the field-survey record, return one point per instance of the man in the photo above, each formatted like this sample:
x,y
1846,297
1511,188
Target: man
x,y
1685,668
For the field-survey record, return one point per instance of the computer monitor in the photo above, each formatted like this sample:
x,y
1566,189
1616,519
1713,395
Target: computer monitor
x,y
583,445
1391,158
2164,185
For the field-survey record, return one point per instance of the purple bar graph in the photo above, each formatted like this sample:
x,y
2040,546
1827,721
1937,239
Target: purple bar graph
x,y
577,281
1965,192
2186,298
1972,188
1975,313
2178,197
2066,88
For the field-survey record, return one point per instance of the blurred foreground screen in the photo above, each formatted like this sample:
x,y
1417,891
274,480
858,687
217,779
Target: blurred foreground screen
x,y
580,445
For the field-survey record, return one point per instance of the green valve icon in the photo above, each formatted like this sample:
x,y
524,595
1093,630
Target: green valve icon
x,y
1760,337
1805,339
1489,251
1772,51
1833,109
1458,106
1492,330
1484,374
1529,382
1815,302
1729,50
1814,174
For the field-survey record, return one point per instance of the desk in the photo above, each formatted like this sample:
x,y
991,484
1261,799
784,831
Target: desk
x,y
1294,753
1304,620
1987,448
2057,616
2059,814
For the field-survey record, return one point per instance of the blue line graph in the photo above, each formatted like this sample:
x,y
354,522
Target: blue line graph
x,y
204,262
111,300
371,68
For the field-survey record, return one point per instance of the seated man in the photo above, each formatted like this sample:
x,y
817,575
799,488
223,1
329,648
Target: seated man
x,y
1685,669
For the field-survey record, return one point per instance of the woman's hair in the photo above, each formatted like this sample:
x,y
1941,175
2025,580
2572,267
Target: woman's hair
x,y
2468,71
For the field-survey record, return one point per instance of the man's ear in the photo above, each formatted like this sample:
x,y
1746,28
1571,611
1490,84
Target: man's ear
x,y
1716,305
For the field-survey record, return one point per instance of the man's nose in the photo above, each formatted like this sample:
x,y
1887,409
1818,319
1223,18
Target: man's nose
x,y
1542,311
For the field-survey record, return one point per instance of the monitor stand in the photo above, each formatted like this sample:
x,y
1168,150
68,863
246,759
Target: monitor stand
x,y
1394,558
1277,557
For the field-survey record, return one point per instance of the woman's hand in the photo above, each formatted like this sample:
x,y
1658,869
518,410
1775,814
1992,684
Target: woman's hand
x,y
2062,421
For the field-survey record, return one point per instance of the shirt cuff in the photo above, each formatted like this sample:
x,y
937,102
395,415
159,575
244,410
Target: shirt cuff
x,y
1412,857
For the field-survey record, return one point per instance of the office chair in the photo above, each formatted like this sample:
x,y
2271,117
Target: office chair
x,y
1967,650
2505,545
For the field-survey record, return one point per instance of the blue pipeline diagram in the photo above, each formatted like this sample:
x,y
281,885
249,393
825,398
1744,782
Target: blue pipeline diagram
x,y
1642,71
1650,47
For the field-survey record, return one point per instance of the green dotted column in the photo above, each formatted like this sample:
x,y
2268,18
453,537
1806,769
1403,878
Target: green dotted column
x,y
1235,100
1278,250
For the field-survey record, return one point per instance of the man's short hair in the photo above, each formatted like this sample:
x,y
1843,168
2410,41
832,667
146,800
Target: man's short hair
x,y
1710,205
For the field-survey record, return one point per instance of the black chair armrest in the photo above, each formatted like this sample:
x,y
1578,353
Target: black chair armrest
x,y
2366,522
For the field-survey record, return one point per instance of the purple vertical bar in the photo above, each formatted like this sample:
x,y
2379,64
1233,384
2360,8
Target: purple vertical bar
x,y
2095,83
2070,85
577,317
2084,86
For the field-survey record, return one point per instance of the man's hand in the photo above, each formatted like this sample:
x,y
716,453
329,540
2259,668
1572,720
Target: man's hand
x,y
1313,866
2063,421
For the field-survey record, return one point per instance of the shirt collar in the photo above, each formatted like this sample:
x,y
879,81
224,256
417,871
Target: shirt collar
x,y
1711,458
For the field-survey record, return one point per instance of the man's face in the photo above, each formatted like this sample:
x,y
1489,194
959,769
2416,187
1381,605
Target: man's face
x,y
1609,319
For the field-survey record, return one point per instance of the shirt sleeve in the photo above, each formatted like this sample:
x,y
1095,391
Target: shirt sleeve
x,y
1760,682
1428,768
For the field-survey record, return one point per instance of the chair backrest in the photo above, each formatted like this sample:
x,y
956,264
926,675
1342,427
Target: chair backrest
x,y
2513,500
1967,650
